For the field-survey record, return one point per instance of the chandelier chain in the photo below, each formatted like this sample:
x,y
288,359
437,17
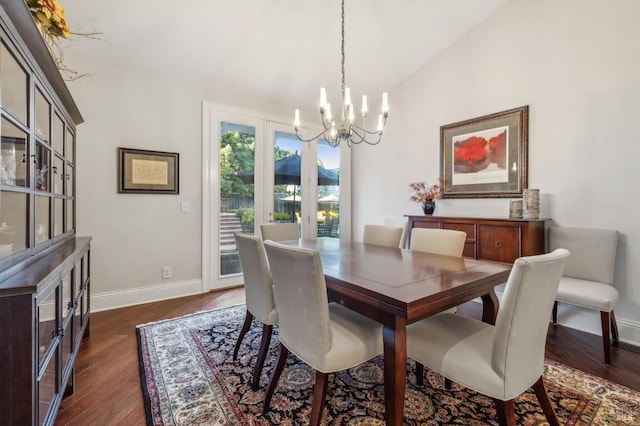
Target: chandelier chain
x,y
342,51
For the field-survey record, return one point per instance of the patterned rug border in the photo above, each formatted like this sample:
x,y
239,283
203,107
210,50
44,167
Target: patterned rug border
x,y
598,388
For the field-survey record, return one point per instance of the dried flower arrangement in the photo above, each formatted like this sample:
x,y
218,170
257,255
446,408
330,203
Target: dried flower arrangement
x,y
50,19
422,192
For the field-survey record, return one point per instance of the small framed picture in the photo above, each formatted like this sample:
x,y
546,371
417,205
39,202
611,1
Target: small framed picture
x,y
148,172
485,156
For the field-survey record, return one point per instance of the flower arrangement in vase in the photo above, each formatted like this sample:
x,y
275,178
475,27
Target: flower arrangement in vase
x,y
426,195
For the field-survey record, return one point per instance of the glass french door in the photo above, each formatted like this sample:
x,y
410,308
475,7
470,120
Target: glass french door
x,y
256,171
240,162
305,182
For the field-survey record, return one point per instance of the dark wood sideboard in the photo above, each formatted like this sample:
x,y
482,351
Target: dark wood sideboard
x,y
44,312
502,240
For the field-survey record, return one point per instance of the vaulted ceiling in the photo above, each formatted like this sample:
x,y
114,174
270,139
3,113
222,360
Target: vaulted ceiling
x,y
282,50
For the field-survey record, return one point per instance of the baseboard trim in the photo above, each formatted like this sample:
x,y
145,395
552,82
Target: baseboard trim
x,y
137,296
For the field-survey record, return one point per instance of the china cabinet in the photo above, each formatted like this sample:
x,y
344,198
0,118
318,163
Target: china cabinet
x,y
44,267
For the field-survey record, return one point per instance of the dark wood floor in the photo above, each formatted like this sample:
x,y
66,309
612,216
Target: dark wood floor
x,y
108,390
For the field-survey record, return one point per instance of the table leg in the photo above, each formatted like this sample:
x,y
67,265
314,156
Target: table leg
x,y
490,307
395,370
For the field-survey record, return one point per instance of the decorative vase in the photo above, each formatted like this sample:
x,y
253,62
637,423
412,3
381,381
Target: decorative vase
x,y
429,206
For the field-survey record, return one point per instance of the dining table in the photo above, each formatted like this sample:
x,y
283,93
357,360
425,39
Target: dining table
x,y
397,287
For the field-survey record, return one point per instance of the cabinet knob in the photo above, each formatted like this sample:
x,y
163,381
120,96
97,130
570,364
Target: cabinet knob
x,y
498,244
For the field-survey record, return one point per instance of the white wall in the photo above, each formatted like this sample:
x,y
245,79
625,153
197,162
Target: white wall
x,y
135,235
576,63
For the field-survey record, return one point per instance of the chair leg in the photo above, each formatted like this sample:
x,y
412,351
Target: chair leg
x,y
554,312
614,330
543,399
419,374
282,360
506,412
262,354
319,395
245,327
447,383
605,320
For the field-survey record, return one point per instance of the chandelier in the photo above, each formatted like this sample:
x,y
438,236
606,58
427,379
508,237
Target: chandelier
x,y
346,130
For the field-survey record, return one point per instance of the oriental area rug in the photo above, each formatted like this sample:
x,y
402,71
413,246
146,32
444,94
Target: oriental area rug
x,y
189,378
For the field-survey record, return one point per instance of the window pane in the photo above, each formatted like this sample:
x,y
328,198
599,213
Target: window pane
x,y
287,169
237,204
14,86
328,190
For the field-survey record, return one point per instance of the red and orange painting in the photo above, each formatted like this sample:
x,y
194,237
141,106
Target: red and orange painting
x,y
481,157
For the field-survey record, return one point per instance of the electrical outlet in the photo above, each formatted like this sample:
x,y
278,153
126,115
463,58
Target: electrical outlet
x,y
184,207
166,272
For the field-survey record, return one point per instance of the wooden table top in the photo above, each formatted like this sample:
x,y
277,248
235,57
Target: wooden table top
x,y
403,280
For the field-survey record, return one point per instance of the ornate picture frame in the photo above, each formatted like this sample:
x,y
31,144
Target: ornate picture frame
x,y
485,157
148,172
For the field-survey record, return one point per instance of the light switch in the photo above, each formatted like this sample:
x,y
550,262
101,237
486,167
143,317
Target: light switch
x,y
184,207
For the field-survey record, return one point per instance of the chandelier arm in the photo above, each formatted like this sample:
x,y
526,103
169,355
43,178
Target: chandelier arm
x,y
322,133
368,132
363,138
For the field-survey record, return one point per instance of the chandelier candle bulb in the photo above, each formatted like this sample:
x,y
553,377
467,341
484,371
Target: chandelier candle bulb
x,y
351,115
380,123
365,108
385,103
327,112
323,98
296,120
347,96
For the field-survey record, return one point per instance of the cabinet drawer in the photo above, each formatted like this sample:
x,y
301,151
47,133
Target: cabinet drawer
x,y
468,228
499,243
419,224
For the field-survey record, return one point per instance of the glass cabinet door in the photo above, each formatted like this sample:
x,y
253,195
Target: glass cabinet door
x,y
14,88
58,175
43,166
43,115
58,134
13,222
43,219
13,155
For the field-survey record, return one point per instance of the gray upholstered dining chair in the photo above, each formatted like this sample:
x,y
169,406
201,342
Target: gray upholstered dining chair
x,y
501,360
326,336
448,242
259,297
588,276
279,231
382,235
